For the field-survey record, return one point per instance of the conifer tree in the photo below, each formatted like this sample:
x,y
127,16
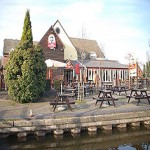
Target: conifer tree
x,y
27,30
26,69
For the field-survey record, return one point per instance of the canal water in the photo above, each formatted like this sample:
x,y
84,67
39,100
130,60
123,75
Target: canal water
x,y
127,139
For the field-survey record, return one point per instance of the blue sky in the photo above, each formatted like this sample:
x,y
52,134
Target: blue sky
x,y
119,26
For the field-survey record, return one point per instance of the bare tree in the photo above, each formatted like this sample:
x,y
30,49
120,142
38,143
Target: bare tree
x,y
83,33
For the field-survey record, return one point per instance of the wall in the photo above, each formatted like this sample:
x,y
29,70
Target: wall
x,y
69,51
59,125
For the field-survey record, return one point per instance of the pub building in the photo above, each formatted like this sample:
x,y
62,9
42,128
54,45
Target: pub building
x,y
83,57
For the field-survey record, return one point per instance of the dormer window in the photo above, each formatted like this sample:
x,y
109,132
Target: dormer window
x,y
93,55
83,55
12,49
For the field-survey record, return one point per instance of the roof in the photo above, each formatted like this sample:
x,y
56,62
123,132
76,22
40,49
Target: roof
x,y
11,44
110,64
106,64
87,45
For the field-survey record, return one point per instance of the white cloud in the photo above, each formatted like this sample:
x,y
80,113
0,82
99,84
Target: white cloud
x,y
117,25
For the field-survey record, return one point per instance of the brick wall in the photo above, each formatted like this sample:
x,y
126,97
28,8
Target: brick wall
x,y
57,54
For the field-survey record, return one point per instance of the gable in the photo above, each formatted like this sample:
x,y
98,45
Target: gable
x,y
70,51
57,51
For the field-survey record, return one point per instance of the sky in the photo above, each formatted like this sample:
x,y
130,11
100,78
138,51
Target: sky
x,y
120,27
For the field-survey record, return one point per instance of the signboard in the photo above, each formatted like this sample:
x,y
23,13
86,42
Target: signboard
x,y
69,65
51,41
133,70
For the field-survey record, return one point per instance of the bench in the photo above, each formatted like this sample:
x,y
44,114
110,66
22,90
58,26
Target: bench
x,y
108,99
139,97
123,90
129,97
61,103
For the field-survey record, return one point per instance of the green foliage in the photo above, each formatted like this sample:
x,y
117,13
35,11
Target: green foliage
x,y
57,84
48,85
27,30
26,72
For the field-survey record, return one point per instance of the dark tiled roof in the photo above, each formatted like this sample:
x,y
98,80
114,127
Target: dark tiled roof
x,y
112,64
87,46
80,45
11,44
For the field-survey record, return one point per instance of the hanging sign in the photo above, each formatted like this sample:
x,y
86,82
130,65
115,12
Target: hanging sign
x,y
133,70
69,65
51,41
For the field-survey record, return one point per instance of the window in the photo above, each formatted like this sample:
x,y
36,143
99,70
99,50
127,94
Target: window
x,y
90,74
93,55
107,75
57,30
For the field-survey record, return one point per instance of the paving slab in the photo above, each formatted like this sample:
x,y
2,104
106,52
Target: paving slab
x,y
42,109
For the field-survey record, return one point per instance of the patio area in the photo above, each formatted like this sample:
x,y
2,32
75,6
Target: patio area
x,y
43,110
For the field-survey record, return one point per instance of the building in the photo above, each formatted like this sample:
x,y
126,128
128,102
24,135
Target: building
x,y
84,58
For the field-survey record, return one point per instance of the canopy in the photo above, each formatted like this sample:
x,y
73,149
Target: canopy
x,y
54,64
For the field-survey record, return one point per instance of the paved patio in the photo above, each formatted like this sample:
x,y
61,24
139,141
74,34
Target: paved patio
x,y
42,109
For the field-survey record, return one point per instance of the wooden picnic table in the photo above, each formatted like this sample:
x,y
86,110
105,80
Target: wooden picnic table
x,y
108,86
62,99
70,91
120,89
105,95
138,94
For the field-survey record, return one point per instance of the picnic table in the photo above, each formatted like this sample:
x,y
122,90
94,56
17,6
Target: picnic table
x,y
107,86
70,91
105,95
62,99
138,94
120,89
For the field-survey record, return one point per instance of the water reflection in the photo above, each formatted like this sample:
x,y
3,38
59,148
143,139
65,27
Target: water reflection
x,y
123,140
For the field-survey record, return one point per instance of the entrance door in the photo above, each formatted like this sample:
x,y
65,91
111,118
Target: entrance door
x,y
68,75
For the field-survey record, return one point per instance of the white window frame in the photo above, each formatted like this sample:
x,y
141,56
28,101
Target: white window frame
x,y
90,74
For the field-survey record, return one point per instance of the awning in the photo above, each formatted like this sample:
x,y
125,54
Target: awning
x,y
54,63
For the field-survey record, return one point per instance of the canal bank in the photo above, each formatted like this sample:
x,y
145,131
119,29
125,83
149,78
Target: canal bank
x,y
15,117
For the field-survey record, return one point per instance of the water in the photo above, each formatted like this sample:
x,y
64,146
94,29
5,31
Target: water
x,y
131,139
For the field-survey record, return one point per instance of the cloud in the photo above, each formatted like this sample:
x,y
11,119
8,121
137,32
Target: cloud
x,y
121,26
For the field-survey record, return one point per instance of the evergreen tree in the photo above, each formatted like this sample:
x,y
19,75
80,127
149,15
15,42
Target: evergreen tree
x,y
26,68
27,30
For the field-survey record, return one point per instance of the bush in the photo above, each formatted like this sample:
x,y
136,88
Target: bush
x,y
48,85
57,84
